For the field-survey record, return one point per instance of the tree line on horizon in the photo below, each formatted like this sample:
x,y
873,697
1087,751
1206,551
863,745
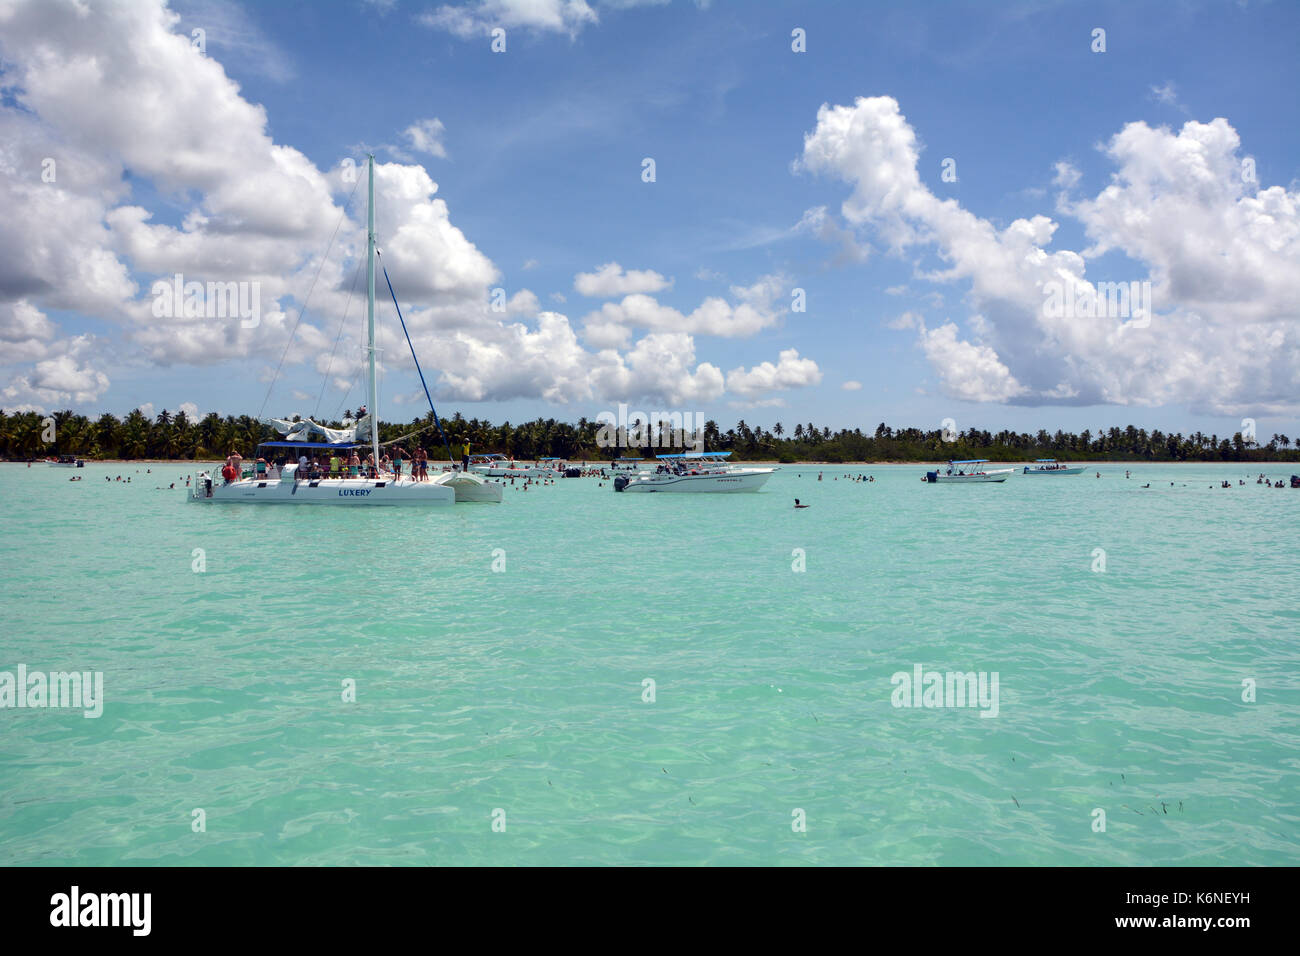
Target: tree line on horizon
x,y
175,436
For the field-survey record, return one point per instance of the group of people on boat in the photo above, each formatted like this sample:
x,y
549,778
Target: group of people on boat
x,y
343,464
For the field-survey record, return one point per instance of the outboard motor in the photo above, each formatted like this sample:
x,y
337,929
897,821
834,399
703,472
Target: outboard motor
x,y
932,476
573,473
620,482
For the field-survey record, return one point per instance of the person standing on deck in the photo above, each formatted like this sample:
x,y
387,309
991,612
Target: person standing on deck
x,y
464,457
397,462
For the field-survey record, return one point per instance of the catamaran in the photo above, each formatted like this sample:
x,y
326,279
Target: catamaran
x,y
1050,466
296,484
968,471
695,471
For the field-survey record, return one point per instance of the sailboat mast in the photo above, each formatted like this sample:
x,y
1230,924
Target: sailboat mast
x,y
370,314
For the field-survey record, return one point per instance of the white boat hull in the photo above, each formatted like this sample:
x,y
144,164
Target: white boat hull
x,y
470,487
506,471
1054,471
346,492
724,483
976,478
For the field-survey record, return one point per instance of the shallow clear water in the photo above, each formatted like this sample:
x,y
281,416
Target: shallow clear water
x,y
521,690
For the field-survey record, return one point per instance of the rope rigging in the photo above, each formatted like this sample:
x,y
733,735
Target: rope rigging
x,y
303,308
445,443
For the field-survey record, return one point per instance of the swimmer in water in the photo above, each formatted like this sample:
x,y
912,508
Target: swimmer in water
x,y
797,505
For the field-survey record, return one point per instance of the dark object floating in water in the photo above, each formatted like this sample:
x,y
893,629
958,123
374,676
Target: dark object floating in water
x,y
1015,801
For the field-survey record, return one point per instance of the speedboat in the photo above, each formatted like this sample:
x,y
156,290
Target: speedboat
x,y
482,464
969,471
1050,466
499,466
509,468
697,471
67,461
553,467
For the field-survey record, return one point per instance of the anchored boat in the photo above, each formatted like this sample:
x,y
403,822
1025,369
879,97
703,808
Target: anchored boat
x,y
1050,466
969,471
628,465
295,483
696,471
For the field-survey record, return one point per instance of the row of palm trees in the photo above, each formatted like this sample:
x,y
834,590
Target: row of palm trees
x,y
28,435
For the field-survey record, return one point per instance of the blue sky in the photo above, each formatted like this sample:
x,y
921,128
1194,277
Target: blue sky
x,y
542,173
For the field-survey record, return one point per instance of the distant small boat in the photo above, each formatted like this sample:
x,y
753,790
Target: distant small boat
x,y
968,472
67,461
1050,466
628,464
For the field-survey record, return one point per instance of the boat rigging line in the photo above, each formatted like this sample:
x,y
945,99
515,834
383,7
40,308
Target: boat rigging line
x,y
303,308
342,322
445,443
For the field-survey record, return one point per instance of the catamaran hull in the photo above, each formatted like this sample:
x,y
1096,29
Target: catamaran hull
x,y
344,492
679,484
471,487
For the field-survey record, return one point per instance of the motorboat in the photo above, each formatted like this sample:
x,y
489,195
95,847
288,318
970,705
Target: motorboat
x,y
969,471
697,471
67,461
1050,466
628,465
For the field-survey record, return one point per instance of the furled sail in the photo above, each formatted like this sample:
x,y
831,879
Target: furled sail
x,y
306,430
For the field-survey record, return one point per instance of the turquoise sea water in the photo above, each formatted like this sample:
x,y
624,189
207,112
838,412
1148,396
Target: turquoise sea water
x,y
522,690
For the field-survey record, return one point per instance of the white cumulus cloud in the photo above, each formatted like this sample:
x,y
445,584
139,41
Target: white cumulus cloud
x,y
1221,254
